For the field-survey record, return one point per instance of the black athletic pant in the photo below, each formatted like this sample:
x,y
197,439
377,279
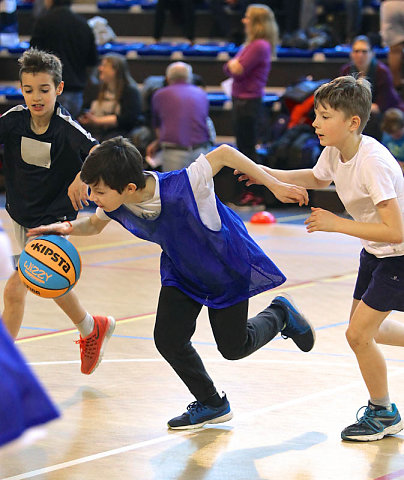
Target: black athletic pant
x,y
235,335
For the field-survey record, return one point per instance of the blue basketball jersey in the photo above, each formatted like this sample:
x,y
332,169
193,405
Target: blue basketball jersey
x,y
215,268
23,402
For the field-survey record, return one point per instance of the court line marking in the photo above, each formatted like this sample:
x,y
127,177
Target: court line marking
x,y
172,437
392,475
58,333
305,284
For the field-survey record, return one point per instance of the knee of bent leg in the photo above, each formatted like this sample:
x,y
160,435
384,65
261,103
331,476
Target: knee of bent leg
x,y
14,290
356,339
230,353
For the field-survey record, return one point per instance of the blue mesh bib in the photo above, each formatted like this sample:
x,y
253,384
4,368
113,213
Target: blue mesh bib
x,y
215,268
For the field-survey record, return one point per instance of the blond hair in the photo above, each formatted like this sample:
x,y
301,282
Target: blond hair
x,y
262,24
350,95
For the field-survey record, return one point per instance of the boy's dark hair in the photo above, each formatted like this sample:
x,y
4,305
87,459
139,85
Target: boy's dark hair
x,y
393,121
37,61
116,162
352,96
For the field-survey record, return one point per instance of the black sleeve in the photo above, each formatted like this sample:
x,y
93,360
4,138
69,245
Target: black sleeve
x,y
130,108
4,127
81,141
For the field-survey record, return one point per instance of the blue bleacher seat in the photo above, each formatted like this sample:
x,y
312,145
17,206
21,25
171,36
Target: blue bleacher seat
x,y
21,5
218,99
122,48
340,51
286,52
19,48
116,4
162,49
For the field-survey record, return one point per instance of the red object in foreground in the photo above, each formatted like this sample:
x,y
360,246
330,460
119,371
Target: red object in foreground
x,y
263,217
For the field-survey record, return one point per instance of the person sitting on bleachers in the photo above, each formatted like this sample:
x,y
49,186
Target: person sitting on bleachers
x,y
363,63
117,109
393,134
180,114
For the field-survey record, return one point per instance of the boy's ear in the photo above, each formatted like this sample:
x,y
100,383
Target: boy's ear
x,y
59,88
131,187
355,122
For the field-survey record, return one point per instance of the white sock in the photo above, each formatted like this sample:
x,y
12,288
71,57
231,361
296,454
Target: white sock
x,y
86,326
382,402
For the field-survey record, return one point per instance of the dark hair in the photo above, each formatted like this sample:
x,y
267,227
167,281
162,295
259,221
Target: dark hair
x,y
362,38
116,162
352,96
393,121
37,61
123,77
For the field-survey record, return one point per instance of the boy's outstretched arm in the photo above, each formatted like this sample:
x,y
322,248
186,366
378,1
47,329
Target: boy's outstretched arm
x,y
90,225
226,156
390,229
304,177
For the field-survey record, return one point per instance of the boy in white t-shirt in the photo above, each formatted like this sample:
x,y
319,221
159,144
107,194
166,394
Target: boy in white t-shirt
x,y
370,184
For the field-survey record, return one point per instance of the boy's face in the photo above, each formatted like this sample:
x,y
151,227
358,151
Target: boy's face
x,y
105,197
40,94
332,127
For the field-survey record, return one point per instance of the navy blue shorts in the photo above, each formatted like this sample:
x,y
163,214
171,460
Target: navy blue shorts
x,y
380,282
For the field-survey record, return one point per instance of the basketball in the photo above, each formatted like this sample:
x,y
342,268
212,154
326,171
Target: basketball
x,y
49,266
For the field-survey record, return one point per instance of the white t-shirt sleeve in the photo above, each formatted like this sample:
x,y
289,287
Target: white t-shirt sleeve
x,y
378,179
322,169
6,268
201,179
102,215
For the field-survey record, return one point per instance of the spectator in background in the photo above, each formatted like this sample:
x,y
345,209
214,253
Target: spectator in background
x,y
384,95
353,10
67,35
180,114
249,70
392,31
117,109
393,134
182,10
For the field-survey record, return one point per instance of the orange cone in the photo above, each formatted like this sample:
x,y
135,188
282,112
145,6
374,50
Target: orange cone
x,y
263,217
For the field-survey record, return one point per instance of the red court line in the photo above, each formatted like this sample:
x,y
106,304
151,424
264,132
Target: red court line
x,y
392,476
53,332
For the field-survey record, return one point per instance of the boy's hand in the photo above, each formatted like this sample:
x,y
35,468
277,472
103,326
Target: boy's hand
x,y
249,180
64,228
78,193
321,221
290,194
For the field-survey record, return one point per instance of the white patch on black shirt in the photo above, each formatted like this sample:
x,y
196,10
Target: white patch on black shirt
x,y
35,152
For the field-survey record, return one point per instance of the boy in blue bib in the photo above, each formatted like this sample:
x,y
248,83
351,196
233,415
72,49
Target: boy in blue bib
x,y
208,258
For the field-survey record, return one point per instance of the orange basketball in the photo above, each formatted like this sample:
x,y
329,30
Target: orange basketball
x,y
49,266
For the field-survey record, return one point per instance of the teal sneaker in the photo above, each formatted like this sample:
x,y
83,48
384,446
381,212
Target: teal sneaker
x,y
375,424
297,327
198,415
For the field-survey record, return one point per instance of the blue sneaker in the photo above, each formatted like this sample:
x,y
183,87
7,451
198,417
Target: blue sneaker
x,y
198,415
373,425
297,327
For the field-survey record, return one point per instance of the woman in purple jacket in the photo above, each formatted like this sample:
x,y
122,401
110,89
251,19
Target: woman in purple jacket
x,y
249,70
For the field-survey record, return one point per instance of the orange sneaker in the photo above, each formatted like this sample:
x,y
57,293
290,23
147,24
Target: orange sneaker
x,y
92,346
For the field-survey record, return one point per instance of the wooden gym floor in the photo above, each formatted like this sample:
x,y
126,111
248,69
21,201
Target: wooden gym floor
x,y
289,407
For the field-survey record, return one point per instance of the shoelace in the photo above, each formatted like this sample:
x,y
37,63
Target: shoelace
x,y
88,345
368,418
195,406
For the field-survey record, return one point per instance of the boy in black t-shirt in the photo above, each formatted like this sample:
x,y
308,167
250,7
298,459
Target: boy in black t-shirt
x,y
43,153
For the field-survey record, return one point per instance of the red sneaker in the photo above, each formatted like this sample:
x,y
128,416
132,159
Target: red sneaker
x,y
92,346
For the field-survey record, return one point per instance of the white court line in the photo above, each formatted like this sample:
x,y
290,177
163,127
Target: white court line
x,y
205,360
168,437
